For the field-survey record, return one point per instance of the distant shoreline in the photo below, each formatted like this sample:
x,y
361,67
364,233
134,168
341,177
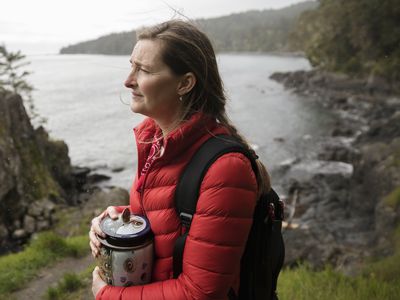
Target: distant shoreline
x,y
258,53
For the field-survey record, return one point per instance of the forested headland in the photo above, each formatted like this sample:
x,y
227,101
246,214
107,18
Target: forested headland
x,y
255,31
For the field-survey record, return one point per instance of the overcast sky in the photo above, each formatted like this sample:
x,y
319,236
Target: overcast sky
x,y
44,26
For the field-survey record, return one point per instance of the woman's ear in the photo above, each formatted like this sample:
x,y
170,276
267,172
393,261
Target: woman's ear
x,y
186,83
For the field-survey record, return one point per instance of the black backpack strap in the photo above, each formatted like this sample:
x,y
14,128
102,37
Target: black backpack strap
x,y
187,191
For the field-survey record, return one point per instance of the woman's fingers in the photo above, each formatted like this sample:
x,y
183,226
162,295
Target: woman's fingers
x,y
96,226
95,229
97,282
93,238
94,243
95,250
112,212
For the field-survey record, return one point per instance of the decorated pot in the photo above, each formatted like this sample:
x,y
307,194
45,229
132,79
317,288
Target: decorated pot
x,y
126,255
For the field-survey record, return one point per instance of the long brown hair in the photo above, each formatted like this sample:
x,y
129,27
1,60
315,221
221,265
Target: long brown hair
x,y
188,49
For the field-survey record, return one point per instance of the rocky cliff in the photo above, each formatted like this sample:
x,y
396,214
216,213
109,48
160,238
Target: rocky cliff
x,y
35,174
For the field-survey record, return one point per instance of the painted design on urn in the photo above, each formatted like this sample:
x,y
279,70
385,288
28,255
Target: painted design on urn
x,y
130,265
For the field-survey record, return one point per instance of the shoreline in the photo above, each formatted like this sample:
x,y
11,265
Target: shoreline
x,y
337,198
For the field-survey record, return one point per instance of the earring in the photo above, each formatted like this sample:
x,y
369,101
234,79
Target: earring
x,y
180,98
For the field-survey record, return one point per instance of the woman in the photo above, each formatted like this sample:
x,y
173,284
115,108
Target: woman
x,y
175,82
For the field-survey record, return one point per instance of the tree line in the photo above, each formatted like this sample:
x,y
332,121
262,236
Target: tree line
x,y
357,37
266,30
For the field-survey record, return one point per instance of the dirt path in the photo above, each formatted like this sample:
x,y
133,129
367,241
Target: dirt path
x,y
49,276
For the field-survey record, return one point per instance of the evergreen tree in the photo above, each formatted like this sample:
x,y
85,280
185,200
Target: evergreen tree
x,y
359,37
13,78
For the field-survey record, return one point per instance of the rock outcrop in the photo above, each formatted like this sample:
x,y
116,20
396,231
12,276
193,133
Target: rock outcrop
x,y
35,174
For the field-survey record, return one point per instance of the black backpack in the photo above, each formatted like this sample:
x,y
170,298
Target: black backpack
x,y
264,253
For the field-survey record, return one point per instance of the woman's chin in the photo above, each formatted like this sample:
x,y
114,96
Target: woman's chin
x,y
135,109
136,106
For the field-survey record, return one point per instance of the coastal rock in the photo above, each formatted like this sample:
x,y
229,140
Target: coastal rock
x,y
3,235
286,164
340,212
80,172
117,169
385,129
29,224
339,131
295,248
42,225
95,178
35,209
35,172
307,170
385,217
19,234
57,160
339,150
277,139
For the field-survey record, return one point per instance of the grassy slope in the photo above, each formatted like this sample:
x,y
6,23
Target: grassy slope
x,y
379,280
17,269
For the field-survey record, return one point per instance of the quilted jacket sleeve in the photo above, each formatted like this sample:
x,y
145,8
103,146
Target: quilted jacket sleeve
x,y
216,238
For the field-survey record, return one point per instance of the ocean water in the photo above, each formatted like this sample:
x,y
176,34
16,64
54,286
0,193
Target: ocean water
x,y
86,105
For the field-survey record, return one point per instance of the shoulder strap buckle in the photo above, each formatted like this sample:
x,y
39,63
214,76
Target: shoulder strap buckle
x,y
186,219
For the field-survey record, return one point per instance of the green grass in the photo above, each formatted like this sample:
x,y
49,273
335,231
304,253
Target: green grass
x,y
304,284
380,279
17,269
72,286
70,283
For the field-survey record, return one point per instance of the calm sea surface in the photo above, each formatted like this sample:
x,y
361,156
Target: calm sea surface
x,y
82,98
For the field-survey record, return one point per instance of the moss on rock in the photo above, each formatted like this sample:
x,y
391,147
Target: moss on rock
x,y
393,199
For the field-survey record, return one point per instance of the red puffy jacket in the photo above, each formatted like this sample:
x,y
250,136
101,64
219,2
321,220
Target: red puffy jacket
x,y
220,226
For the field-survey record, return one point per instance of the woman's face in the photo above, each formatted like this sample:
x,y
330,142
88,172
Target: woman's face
x,y
154,86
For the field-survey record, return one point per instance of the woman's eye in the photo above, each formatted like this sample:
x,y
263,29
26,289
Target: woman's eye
x,y
137,68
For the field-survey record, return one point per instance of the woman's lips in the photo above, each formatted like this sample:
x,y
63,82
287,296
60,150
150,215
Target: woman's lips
x,y
136,94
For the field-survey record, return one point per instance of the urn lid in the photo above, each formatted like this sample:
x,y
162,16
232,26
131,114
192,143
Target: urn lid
x,y
127,230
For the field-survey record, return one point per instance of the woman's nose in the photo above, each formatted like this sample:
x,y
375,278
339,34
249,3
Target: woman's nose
x,y
131,80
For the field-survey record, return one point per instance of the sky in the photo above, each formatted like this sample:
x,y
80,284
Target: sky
x,y
44,26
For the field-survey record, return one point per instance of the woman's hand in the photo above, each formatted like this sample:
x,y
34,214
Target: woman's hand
x,y
95,229
97,282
